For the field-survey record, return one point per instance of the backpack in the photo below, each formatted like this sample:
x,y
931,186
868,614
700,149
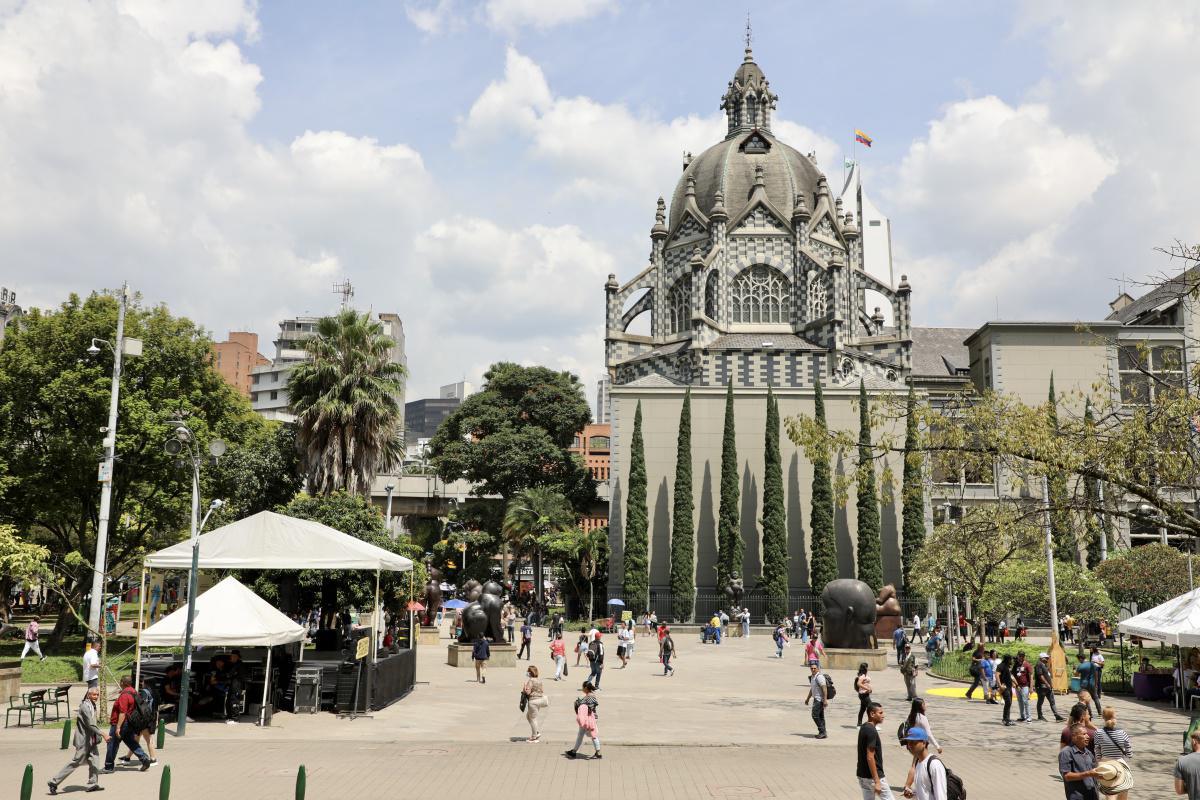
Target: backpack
x,y
902,731
954,785
142,715
830,689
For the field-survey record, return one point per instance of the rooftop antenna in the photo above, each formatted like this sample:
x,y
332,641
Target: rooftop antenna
x,y
346,291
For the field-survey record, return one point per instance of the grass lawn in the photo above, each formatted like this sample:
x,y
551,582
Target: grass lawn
x,y
67,665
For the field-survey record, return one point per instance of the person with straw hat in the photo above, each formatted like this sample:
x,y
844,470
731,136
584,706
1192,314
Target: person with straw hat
x,y
1114,779
1112,745
1077,766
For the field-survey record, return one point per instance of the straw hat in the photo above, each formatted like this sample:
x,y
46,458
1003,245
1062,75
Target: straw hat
x,y
1113,777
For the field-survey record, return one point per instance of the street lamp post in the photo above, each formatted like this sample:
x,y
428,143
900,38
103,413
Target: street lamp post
x,y
95,612
391,487
185,438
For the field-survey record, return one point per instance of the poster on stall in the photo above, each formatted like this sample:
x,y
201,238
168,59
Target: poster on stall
x,y
152,607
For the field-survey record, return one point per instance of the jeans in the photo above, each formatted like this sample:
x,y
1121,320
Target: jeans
x,y
667,668
1043,694
717,634
129,737
594,678
745,627
559,663
579,740
864,700
868,789
976,682
779,647
1023,701
526,648
818,715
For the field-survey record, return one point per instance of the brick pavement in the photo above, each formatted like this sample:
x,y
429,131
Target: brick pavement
x,y
732,724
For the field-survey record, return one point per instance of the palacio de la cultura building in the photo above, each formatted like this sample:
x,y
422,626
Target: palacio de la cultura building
x,y
758,276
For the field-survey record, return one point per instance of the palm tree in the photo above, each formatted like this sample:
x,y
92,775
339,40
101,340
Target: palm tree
x,y
532,514
346,398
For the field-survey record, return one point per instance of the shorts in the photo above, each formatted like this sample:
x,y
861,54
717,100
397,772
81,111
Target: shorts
x,y
620,650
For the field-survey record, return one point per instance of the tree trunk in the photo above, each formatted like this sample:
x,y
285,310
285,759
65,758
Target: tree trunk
x,y
537,579
591,598
64,623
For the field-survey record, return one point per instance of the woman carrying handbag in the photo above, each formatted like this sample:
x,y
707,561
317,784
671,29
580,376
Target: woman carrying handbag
x,y
533,700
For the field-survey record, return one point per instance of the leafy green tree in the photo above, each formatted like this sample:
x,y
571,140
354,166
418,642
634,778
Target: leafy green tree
x,y
870,554
532,514
335,590
20,562
346,397
637,523
257,474
729,535
913,489
774,520
683,536
514,434
969,553
1094,526
823,561
1022,586
1148,575
584,556
53,411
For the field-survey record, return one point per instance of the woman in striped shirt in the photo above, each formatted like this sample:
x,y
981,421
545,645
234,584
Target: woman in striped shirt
x,y
1112,744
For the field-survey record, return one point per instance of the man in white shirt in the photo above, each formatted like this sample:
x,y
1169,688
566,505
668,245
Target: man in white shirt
x,y
918,633
91,666
817,695
929,775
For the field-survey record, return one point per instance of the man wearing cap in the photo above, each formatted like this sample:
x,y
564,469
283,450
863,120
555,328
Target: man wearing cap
x,y
928,774
1077,766
1043,684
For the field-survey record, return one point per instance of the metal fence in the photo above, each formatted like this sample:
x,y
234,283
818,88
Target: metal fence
x,y
706,603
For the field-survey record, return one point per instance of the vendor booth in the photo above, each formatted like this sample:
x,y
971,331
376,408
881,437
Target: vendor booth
x,y
229,615
275,541
1175,622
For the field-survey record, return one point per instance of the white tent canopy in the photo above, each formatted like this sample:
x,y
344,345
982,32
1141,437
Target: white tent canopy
x,y
227,614
268,540
1175,622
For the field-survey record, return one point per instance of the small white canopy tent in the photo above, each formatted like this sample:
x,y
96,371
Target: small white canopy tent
x,y
228,614
267,540
1175,622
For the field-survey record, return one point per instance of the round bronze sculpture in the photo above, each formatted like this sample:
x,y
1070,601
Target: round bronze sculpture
x,y
849,614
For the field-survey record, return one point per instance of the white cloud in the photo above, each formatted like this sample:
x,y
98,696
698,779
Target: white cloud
x,y
989,173
512,15
435,17
600,149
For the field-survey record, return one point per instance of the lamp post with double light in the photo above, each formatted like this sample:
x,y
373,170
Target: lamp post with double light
x,y
183,444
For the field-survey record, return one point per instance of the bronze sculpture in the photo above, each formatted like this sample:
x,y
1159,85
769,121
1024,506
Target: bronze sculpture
x,y
433,595
481,617
849,617
887,614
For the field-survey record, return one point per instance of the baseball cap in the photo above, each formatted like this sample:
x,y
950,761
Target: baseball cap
x,y
1043,655
916,735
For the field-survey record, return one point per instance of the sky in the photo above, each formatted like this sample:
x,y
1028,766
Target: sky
x,y
480,168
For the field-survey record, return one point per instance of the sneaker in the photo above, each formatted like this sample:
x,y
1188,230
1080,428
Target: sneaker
x,y
145,765
53,787
597,755
822,736
108,770
94,788
570,754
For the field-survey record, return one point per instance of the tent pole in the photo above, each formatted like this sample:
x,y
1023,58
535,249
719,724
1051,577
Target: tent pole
x,y
377,619
137,655
262,713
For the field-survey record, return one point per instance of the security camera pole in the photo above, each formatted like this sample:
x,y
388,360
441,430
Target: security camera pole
x,y
95,613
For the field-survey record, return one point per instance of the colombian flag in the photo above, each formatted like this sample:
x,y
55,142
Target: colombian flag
x,y
862,138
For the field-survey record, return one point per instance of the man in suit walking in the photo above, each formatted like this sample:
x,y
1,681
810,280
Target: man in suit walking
x,y
86,739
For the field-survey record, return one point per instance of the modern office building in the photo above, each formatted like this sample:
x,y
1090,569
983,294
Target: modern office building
x,y
456,391
422,417
602,400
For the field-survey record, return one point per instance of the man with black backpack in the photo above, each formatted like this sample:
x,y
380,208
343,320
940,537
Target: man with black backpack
x,y
121,731
595,655
931,779
819,693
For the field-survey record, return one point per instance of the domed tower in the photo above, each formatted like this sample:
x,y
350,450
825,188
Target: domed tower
x,y
755,261
755,280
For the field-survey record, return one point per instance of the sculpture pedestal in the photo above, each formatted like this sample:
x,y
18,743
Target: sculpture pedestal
x,y
849,658
502,655
430,634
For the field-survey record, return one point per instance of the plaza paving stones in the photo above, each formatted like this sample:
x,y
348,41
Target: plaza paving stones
x,y
731,724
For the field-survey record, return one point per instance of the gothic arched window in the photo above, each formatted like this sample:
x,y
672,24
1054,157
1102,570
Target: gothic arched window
x,y
816,296
710,295
751,110
679,305
761,294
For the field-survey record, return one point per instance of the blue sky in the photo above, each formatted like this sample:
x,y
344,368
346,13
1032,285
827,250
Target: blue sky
x,y
480,167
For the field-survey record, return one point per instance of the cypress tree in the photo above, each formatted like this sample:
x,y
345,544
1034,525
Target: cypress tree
x,y
683,539
1094,525
914,494
870,556
823,562
729,534
774,519
637,560
1061,530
